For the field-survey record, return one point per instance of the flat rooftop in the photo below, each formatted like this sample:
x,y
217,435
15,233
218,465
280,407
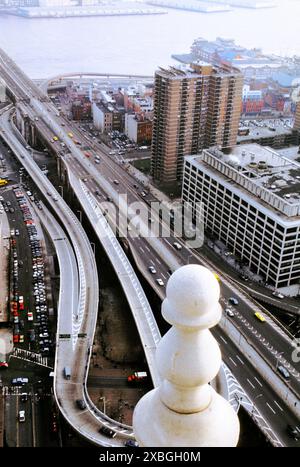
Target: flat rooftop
x,y
261,171
184,70
267,168
265,129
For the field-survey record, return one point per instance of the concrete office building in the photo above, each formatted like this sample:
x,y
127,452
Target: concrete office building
x,y
195,107
252,203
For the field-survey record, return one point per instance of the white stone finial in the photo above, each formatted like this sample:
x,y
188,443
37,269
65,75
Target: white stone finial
x,y
185,410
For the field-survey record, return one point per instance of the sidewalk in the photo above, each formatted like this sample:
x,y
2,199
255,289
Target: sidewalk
x,y
146,181
4,262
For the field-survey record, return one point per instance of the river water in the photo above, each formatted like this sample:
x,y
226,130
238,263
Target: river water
x,y
138,44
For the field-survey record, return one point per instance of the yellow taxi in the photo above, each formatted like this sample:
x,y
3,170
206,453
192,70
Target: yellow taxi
x,y
260,317
70,134
55,138
217,276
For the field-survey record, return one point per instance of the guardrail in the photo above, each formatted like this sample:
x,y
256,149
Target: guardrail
x,y
134,292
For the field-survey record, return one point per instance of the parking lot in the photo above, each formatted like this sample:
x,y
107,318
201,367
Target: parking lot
x,y
30,311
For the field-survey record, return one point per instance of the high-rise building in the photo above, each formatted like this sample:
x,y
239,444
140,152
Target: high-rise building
x,y
297,118
195,107
252,204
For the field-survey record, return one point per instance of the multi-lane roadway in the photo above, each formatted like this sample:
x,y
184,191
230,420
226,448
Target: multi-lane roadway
x,y
268,338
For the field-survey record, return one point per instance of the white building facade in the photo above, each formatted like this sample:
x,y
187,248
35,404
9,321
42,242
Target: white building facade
x,y
252,203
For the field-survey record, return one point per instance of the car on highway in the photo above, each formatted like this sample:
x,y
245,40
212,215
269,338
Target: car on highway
x,y
131,443
293,432
217,276
228,253
54,427
283,371
70,134
104,430
260,317
55,138
244,278
278,295
233,301
24,397
160,282
81,404
229,312
3,365
21,416
30,316
177,246
19,381
152,269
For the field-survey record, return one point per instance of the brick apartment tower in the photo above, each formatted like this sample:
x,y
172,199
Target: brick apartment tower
x,y
195,107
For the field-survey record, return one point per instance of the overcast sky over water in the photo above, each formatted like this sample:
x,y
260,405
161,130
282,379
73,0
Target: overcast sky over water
x,y
138,44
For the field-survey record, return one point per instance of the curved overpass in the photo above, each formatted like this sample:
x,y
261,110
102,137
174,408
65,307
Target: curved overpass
x,y
76,322
44,84
135,295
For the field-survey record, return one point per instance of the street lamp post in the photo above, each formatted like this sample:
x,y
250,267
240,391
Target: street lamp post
x,y
80,216
253,405
94,247
104,403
